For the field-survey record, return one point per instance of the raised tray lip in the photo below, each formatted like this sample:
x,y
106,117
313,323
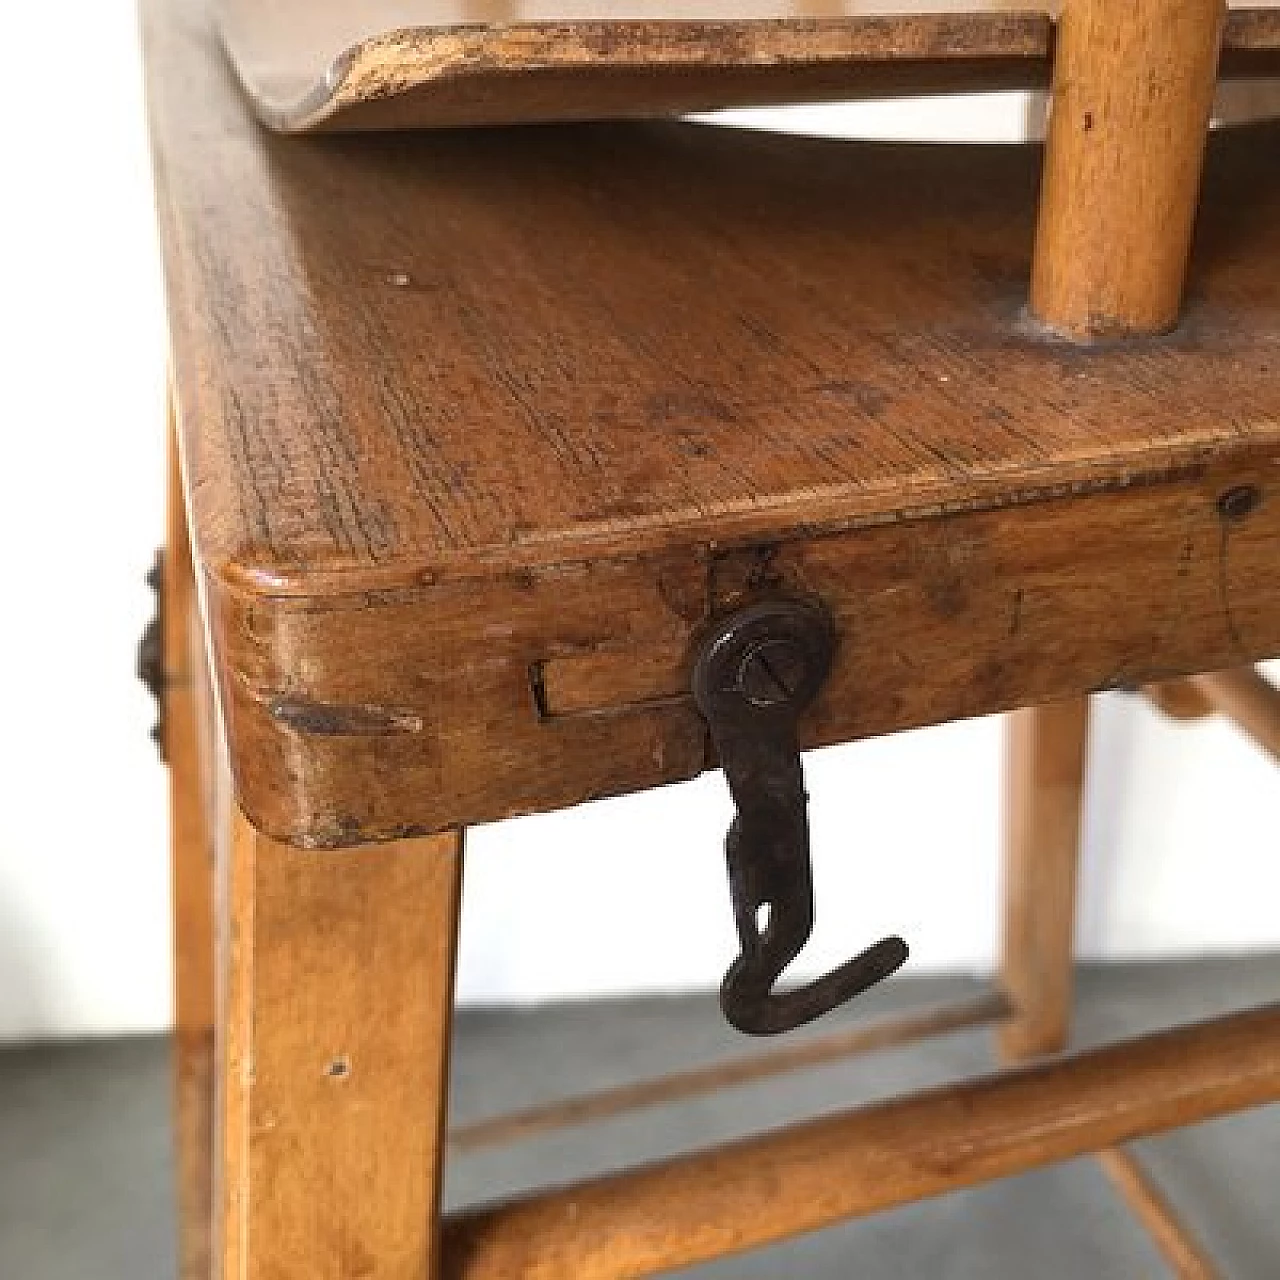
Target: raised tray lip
x,y
407,59
427,62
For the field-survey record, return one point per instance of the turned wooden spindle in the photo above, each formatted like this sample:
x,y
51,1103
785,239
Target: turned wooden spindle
x,y
1132,92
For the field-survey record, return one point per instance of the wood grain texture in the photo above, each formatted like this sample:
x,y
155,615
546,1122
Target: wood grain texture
x,y
333,1058
1132,91
479,431
703,1206
323,64
1044,797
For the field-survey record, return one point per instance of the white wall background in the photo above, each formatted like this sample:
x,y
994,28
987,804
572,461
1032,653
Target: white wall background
x,y
618,896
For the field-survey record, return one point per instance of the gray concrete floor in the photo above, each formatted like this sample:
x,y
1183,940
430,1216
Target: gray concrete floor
x,y
85,1153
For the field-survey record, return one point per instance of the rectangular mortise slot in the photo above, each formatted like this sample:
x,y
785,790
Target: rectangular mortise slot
x,y
609,683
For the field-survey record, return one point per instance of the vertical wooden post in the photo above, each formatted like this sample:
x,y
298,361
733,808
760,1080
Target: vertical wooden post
x,y
332,1064
1045,782
190,838
187,747
1133,85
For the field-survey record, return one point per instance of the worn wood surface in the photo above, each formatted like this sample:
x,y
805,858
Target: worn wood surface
x,y
703,1206
1186,1258
1132,91
479,430
333,1055
1044,796
324,64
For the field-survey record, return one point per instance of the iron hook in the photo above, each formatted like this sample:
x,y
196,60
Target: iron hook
x,y
754,673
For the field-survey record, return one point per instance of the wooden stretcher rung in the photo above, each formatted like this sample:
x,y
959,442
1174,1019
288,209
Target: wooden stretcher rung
x,y
1146,1202
1248,698
888,1033
697,1207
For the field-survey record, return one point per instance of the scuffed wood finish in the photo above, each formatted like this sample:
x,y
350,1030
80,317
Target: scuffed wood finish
x,y
703,1206
433,63
1132,91
333,1057
480,429
324,64
1177,1245
1043,804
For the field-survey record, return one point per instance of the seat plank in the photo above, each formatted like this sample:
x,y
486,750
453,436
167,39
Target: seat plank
x,y
478,429
325,64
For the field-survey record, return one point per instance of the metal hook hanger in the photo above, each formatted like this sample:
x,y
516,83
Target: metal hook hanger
x,y
755,672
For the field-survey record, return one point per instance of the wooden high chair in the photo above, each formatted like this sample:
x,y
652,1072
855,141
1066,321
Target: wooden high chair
x,y
518,466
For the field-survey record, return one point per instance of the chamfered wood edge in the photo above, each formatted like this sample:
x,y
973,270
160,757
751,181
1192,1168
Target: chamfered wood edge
x,y
1054,598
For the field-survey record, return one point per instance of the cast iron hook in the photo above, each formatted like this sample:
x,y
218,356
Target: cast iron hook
x,y
754,673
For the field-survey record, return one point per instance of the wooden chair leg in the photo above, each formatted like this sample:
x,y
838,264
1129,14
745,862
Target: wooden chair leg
x,y
337,972
186,747
191,845
1045,783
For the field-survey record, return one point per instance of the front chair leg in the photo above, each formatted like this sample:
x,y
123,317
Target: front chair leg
x,y
333,1057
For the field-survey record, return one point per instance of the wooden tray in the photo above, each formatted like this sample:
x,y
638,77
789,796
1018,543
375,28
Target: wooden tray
x,y
379,64
479,427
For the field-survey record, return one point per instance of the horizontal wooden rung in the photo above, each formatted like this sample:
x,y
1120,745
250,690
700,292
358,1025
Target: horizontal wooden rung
x,y
697,1207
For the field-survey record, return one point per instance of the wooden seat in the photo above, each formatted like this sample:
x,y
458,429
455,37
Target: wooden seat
x,y
477,434
618,369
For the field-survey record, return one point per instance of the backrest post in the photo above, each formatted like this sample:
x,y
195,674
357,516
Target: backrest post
x,y
1133,88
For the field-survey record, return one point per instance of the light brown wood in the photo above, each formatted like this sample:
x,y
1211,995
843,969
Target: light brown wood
x,y
1179,699
333,1059
191,841
990,1007
324,64
187,751
668,364
718,1202
193,1143
1132,91
1043,804
1172,1237
1250,699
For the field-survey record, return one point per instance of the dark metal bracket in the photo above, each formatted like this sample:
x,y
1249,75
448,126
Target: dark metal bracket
x,y
755,671
151,651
